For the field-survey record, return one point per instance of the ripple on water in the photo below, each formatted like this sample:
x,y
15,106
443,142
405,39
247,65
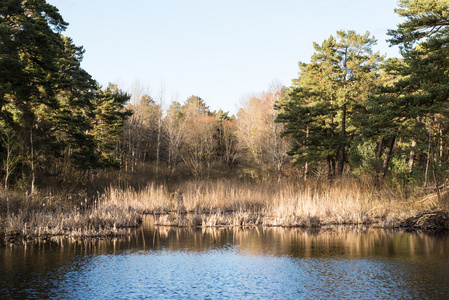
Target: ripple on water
x,y
256,265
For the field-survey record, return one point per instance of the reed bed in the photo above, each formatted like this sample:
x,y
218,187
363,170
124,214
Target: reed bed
x,y
103,219
212,203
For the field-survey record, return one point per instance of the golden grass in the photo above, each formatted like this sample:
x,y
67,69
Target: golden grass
x,y
228,202
102,219
211,203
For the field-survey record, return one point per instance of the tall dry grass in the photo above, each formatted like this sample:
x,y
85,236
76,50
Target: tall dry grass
x,y
209,203
26,217
312,203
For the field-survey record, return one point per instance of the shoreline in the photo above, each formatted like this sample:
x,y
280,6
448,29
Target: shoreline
x,y
426,221
218,203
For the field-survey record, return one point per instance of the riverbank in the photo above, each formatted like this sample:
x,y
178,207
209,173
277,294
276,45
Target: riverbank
x,y
100,221
217,203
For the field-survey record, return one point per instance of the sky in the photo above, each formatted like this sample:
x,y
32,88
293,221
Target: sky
x,y
222,51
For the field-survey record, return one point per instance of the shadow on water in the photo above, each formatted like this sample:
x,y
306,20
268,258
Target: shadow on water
x,y
165,262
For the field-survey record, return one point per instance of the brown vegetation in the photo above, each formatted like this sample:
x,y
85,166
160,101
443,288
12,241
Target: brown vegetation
x,y
41,217
308,204
211,203
428,220
196,168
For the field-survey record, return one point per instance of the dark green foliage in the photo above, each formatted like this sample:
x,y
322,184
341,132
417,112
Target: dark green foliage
x,y
389,116
53,106
319,110
108,122
415,107
426,19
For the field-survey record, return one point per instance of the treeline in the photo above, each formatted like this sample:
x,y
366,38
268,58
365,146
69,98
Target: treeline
x,y
59,126
54,118
353,111
191,139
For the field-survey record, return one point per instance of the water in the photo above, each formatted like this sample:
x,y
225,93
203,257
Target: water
x,y
259,263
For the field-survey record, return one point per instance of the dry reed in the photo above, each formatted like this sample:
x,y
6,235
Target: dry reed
x,y
234,203
102,219
211,203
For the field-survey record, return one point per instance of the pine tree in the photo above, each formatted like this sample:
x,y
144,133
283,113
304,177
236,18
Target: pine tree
x,y
107,125
320,106
52,105
417,103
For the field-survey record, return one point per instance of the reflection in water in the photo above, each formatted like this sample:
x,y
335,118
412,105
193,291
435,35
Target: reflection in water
x,y
339,262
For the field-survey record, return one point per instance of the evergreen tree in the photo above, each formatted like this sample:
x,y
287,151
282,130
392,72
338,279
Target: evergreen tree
x,y
319,108
109,118
52,105
195,106
29,52
417,103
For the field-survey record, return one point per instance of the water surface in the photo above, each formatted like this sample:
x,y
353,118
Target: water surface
x,y
258,263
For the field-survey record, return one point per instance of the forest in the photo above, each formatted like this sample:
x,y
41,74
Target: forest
x,y
364,135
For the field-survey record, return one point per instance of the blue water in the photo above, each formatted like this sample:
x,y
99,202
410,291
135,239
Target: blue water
x,y
260,263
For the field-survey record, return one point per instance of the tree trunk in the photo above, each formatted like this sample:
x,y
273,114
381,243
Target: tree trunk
x,y
306,144
411,160
440,131
33,171
342,154
379,148
387,157
426,176
11,160
435,176
333,167
158,146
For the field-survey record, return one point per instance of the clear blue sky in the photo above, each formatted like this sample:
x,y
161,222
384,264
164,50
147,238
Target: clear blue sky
x,y
222,51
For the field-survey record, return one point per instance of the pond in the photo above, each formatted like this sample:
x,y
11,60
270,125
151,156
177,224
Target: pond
x,y
232,263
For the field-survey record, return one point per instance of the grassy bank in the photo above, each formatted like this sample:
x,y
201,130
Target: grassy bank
x,y
315,203
210,203
39,216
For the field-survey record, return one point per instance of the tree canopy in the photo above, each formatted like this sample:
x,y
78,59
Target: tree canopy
x,y
54,106
320,106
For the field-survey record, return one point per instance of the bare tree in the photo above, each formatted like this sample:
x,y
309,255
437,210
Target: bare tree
x,y
11,157
277,147
141,130
228,142
249,127
174,132
258,133
198,147
159,128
